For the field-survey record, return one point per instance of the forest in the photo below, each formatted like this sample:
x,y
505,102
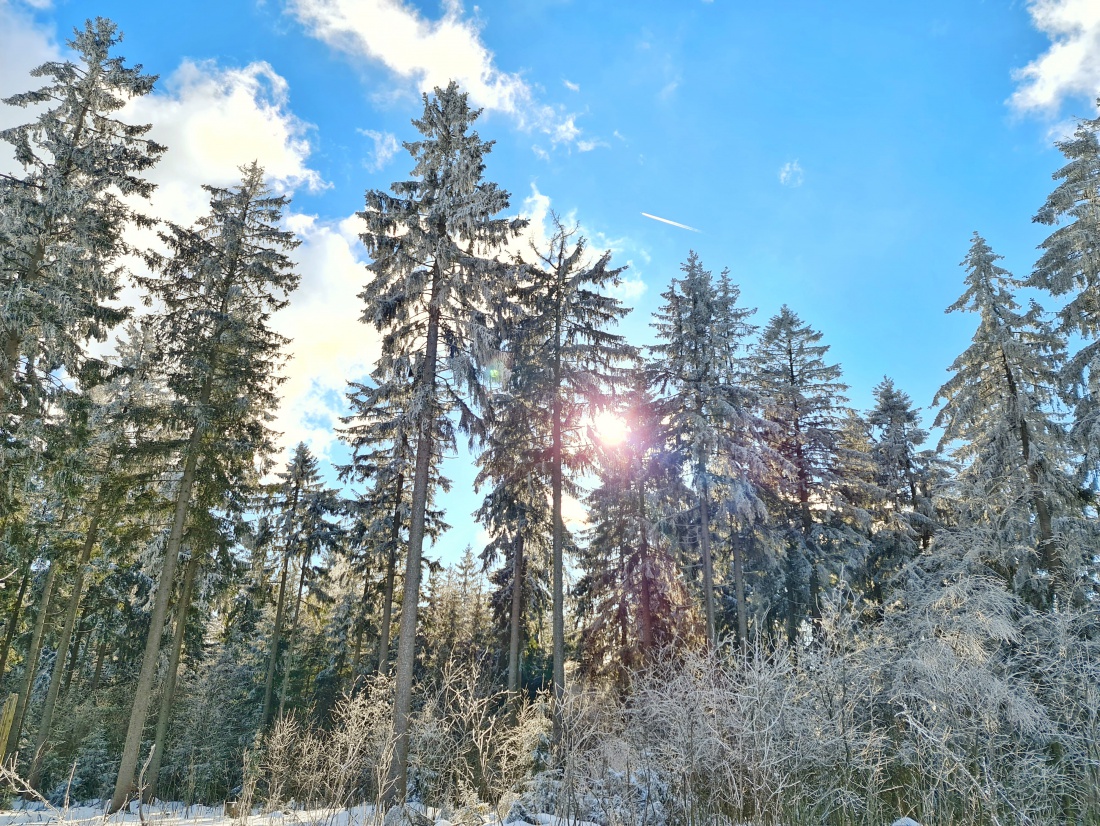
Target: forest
x,y
778,610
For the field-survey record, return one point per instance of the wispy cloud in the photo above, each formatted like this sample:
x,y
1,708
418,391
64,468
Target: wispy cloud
x,y
588,146
385,148
791,174
430,53
1071,66
667,221
571,86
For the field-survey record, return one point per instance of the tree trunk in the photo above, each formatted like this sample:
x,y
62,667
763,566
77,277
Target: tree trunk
x,y
558,539
80,637
288,655
739,585
273,650
645,609
97,672
515,624
13,620
708,564
143,693
1049,557
397,781
360,630
168,696
12,340
32,659
391,570
63,645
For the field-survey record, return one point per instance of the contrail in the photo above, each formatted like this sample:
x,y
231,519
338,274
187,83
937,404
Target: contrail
x,y
674,223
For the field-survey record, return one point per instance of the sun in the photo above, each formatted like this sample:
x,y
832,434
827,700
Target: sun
x,y
610,427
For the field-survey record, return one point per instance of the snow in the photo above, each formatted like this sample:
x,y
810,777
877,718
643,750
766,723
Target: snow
x,y
180,814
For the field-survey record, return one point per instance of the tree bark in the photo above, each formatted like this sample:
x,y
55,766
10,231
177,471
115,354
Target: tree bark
x,y
515,624
63,643
708,563
391,571
1049,557
273,650
97,671
32,659
558,539
80,637
168,696
360,629
397,781
645,609
739,585
288,655
143,694
13,620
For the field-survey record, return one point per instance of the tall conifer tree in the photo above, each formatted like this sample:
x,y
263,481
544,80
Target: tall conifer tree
x,y
217,289
433,290
996,409
61,221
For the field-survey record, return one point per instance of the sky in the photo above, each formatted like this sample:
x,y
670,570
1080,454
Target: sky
x,y
836,157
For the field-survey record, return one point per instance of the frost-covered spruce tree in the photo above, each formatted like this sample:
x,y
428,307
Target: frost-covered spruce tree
x,y
631,597
517,513
1070,266
305,528
997,410
432,294
803,398
62,218
106,425
694,368
565,359
903,476
216,291
382,439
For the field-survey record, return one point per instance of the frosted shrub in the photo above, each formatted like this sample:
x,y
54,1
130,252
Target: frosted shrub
x,y
335,767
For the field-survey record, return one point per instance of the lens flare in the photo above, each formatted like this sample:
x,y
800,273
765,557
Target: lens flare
x,y
610,427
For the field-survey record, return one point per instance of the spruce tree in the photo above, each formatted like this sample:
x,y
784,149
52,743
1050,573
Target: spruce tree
x,y
631,595
1070,266
216,291
62,219
383,455
803,400
694,366
432,294
996,411
563,362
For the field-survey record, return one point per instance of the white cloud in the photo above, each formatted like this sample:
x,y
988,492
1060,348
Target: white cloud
x,y
385,148
1071,66
630,288
430,53
23,46
588,146
329,344
571,86
791,174
215,120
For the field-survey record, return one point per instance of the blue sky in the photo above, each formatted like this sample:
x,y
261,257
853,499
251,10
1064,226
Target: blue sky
x,y
835,156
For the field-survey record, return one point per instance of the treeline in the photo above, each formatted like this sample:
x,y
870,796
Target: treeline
x,y
749,535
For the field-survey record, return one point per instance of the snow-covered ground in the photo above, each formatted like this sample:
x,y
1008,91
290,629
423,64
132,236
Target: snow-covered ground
x,y
179,814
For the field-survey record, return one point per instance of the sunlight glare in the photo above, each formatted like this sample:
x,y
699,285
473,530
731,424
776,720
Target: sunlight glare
x,y
610,427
